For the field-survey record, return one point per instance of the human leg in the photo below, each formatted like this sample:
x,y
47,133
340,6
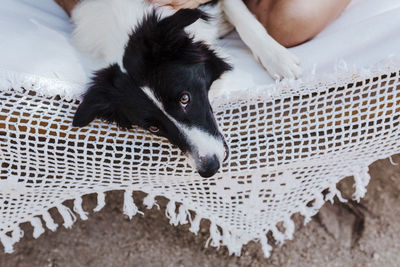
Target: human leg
x,y
292,22
67,5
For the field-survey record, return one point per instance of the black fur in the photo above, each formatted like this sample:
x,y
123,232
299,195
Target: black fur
x,y
161,56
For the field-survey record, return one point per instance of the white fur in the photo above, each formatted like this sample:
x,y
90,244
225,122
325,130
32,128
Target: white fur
x,y
102,28
202,143
207,31
275,58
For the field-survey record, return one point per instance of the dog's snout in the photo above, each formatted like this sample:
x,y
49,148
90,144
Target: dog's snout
x,y
209,166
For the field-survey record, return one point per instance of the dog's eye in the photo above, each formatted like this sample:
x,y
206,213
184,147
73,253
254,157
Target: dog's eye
x,y
185,99
154,129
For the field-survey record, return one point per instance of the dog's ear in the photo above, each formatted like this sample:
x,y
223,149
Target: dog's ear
x,y
181,19
102,99
156,40
215,66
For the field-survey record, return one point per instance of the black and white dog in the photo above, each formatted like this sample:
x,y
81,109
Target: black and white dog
x,y
157,66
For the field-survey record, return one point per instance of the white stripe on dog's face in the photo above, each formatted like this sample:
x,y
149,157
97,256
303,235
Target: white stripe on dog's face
x,y
202,144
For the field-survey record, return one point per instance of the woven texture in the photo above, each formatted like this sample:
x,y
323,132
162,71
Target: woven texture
x,y
286,148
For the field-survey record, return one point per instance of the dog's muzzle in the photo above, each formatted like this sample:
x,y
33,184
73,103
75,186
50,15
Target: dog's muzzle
x,y
207,166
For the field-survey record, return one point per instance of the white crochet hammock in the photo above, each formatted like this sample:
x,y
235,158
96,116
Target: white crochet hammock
x,y
289,141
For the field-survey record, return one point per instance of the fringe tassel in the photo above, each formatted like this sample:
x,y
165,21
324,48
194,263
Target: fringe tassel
x,y
308,212
8,242
49,221
68,216
392,162
78,208
101,201
227,240
195,224
361,179
130,209
289,228
16,235
174,218
278,235
333,191
37,227
266,248
339,196
319,202
149,201
170,212
215,236
182,215
304,211
233,244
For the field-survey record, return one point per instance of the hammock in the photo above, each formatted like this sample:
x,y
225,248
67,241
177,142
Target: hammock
x,y
289,141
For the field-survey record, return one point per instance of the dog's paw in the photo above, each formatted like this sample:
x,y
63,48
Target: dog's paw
x,y
279,62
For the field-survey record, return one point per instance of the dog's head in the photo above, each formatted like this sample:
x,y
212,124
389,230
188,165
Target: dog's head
x,y
163,87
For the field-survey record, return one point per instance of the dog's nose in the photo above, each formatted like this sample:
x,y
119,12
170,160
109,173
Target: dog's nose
x,y
209,166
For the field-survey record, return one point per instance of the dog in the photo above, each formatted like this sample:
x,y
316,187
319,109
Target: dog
x,y
156,67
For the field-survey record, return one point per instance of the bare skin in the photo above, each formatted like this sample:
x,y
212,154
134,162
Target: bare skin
x,y
292,22
178,4
289,22
67,5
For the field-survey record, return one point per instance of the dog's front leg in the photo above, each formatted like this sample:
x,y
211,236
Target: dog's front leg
x,y
276,59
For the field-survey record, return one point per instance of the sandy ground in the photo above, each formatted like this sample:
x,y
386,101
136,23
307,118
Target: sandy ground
x,y
364,234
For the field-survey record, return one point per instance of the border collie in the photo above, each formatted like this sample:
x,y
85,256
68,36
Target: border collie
x,y
156,67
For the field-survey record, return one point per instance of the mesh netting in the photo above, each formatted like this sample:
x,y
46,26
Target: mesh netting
x,y
285,149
